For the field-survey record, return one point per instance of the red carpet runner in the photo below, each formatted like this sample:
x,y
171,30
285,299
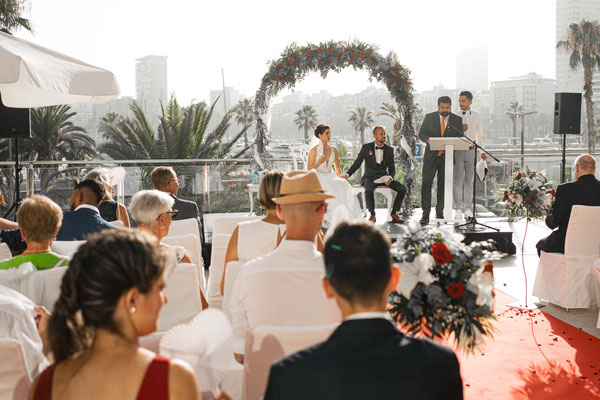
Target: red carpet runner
x,y
532,356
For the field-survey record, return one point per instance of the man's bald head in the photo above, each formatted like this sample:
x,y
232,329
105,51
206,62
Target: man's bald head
x,y
584,164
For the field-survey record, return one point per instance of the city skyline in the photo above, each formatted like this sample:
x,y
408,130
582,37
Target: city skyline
x,y
245,36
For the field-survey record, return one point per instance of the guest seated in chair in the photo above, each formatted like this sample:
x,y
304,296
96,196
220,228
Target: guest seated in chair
x,y
84,217
366,357
584,190
110,210
26,323
153,212
283,287
111,295
39,220
252,239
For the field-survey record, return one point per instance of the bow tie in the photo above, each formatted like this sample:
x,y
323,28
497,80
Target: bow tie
x,y
378,148
464,112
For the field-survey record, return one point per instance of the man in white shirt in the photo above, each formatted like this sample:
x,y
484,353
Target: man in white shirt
x,y
464,169
366,357
284,287
22,321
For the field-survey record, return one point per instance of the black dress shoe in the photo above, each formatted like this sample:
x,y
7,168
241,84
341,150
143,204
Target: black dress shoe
x,y
424,221
439,216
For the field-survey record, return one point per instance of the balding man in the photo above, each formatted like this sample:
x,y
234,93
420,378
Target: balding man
x,y
584,190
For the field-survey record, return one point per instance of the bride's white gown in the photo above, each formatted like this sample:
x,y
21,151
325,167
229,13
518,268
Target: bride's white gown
x,y
340,188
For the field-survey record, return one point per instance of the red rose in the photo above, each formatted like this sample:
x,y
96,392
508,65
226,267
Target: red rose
x,y
293,55
456,290
351,62
441,254
389,73
287,78
553,192
519,175
337,54
398,88
276,79
279,66
329,51
390,83
353,55
309,53
320,49
295,62
505,195
532,199
288,62
406,81
363,55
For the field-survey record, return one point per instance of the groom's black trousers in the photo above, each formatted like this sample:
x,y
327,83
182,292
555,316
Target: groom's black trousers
x,y
370,186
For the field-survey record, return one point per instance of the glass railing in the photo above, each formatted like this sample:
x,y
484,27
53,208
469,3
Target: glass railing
x,y
220,186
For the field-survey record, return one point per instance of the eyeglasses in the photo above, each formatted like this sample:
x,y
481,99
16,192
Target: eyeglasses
x,y
172,212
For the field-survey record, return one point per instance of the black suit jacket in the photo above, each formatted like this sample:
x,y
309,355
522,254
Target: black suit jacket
x,y
367,359
373,170
188,209
78,225
431,128
584,191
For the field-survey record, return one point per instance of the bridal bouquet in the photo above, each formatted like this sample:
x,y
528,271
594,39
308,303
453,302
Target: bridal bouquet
x,y
528,193
443,289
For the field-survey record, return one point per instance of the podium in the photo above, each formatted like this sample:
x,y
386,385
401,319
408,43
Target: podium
x,y
448,145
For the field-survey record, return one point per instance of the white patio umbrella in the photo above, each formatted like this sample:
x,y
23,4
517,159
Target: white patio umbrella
x,y
34,76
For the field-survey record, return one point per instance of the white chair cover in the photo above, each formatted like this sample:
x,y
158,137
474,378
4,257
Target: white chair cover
x,y
4,252
386,192
66,247
14,379
191,244
182,227
231,274
217,259
41,287
265,344
184,297
566,279
226,225
597,286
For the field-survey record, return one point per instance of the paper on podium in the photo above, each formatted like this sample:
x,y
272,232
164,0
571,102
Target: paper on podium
x,y
441,142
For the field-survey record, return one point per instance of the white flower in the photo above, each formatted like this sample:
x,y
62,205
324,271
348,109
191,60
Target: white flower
x,y
415,272
469,337
414,226
481,283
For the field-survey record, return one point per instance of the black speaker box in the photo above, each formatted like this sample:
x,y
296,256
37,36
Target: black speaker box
x,y
14,122
567,113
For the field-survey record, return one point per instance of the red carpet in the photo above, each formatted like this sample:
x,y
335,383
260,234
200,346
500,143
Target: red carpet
x,y
532,356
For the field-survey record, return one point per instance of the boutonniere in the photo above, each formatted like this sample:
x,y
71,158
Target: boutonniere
x,y
370,152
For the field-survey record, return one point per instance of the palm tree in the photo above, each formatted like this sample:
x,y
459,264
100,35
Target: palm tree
x,y
583,41
390,110
244,115
10,15
306,119
513,111
361,119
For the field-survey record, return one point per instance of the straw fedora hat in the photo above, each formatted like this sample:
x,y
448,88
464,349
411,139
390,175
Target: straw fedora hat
x,y
301,187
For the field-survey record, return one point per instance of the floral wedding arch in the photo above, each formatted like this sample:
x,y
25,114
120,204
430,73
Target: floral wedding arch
x,y
297,61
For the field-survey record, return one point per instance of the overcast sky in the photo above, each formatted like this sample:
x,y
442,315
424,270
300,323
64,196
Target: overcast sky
x,y
201,37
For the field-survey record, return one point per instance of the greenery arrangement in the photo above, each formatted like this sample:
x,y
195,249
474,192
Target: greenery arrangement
x,y
527,194
443,288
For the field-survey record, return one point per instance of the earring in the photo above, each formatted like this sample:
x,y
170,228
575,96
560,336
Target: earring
x,y
132,310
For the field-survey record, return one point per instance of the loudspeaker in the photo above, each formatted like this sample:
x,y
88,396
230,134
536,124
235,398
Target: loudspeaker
x,y
567,113
14,122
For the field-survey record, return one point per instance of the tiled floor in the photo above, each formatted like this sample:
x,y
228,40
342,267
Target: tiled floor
x,y
508,272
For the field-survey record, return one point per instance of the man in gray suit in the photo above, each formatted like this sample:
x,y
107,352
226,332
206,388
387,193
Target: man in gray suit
x,y
165,180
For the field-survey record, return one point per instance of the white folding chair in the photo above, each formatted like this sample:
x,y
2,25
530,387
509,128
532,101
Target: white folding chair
x,y
14,378
43,287
191,244
66,247
358,190
231,274
567,279
265,344
184,297
5,253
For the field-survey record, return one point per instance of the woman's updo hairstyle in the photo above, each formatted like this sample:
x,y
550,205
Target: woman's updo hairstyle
x,y
320,129
104,268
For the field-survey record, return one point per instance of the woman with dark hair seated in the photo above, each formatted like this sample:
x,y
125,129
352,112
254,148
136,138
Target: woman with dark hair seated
x,y
110,296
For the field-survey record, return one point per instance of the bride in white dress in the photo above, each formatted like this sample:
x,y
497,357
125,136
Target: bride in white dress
x,y
325,160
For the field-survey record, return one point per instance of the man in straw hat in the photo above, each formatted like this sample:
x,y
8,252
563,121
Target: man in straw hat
x,y
284,287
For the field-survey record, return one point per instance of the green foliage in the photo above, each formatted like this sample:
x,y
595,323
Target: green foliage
x,y
11,12
360,120
244,115
306,119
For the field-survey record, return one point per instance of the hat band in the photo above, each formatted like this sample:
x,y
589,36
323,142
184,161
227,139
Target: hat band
x,y
294,194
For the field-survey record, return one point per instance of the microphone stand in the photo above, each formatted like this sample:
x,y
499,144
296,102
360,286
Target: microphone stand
x,y
471,225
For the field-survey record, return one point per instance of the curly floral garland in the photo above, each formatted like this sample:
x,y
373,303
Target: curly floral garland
x,y
297,61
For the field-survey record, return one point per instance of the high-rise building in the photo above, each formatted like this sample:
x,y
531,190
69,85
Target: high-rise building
x,y
532,91
223,101
151,85
567,12
472,69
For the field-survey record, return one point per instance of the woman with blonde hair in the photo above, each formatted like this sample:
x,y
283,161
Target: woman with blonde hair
x,y
251,239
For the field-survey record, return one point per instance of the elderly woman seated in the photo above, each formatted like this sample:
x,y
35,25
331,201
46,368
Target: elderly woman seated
x,y
109,209
39,220
152,211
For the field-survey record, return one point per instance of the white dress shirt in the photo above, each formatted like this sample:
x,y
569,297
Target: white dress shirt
x,y
17,323
368,315
379,160
282,288
475,131
88,207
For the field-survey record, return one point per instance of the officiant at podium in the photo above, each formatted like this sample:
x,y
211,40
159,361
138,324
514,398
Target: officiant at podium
x,y
441,123
463,159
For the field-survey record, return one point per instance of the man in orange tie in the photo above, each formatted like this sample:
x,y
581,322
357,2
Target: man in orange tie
x,y
436,124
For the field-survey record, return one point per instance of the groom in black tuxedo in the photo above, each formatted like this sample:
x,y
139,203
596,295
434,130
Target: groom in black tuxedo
x,y
379,171
436,124
366,357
